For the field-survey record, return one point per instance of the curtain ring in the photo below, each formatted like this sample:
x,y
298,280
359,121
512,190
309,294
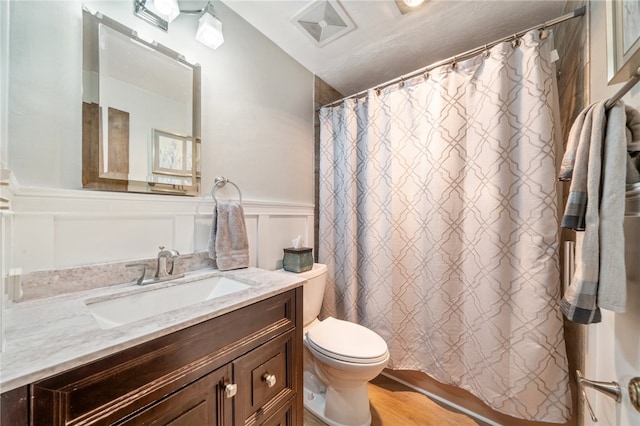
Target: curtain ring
x,y
426,75
486,53
454,64
515,42
377,89
543,32
401,83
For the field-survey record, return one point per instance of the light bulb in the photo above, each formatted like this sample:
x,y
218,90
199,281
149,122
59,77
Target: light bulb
x,y
210,31
168,8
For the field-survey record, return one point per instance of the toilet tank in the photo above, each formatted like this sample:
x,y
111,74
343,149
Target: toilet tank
x,y
313,291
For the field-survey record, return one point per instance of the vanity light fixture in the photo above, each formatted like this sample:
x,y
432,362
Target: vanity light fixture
x,y
168,8
406,6
210,29
161,12
143,10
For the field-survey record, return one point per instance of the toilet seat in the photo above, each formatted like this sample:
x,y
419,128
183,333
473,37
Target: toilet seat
x,y
347,341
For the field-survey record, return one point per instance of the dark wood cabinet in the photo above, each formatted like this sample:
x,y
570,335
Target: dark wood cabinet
x,y
200,403
244,367
286,416
14,406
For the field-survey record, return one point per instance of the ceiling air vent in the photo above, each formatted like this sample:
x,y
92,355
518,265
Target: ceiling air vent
x,y
323,21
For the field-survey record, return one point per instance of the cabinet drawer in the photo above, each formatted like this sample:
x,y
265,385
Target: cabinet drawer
x,y
265,378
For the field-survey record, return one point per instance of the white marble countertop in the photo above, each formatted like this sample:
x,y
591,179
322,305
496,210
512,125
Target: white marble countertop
x,y
47,336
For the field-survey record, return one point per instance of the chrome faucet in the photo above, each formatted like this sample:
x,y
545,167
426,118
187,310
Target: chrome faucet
x,y
161,272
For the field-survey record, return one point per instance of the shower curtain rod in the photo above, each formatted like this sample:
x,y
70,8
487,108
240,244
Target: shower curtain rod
x,y
465,55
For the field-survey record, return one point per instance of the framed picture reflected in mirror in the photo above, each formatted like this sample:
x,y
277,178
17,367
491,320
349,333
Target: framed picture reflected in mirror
x,y
172,154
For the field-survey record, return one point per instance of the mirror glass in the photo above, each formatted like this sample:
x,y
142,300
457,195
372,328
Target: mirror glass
x,y
141,112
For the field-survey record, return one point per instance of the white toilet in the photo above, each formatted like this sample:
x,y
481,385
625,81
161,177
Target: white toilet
x,y
340,357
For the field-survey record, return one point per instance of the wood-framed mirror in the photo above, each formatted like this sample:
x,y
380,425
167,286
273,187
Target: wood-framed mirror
x,y
140,113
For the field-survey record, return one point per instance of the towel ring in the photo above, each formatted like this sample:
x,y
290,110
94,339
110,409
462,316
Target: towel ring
x,y
221,181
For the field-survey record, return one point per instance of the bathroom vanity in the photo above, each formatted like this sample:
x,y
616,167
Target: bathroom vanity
x,y
241,366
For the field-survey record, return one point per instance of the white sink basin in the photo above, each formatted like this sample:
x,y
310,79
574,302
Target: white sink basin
x,y
127,309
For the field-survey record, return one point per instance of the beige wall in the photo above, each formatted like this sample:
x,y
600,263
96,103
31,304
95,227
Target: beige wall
x,y
572,42
323,94
257,102
257,130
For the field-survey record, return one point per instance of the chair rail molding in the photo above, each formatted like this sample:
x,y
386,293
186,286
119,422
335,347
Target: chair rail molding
x,y
55,228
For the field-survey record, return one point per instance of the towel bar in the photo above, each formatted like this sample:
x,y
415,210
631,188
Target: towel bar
x,y
221,181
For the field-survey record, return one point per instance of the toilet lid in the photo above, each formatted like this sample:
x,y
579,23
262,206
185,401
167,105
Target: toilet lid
x,y
347,341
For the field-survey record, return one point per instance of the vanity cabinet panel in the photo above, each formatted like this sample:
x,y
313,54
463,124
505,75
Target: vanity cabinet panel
x,y
178,377
286,416
14,407
265,378
201,403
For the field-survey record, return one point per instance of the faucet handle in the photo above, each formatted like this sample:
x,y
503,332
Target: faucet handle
x,y
168,253
144,266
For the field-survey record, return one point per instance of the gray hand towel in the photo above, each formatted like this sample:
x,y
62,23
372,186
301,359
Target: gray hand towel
x,y
228,244
569,158
579,303
599,280
612,285
575,164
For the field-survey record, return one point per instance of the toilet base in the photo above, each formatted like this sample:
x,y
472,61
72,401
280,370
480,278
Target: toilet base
x,y
315,402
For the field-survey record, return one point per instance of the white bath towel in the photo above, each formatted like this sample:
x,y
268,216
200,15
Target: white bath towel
x,y
228,244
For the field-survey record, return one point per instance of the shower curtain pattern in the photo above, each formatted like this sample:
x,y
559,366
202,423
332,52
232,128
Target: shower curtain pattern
x,y
439,226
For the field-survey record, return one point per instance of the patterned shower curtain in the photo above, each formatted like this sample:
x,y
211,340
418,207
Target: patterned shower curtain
x,y
439,226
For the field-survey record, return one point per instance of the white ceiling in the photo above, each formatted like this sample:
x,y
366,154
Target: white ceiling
x,y
386,44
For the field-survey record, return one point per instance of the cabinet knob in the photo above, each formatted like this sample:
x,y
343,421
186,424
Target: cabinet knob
x,y
230,390
270,379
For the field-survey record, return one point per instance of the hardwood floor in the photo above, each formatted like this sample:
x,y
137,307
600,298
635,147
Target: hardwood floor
x,y
394,404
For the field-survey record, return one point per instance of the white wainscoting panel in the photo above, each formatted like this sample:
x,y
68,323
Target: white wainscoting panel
x,y
54,229
31,242
277,232
86,240
184,233
201,232
251,222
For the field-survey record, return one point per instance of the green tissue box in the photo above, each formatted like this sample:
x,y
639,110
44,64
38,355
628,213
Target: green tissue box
x,y
297,259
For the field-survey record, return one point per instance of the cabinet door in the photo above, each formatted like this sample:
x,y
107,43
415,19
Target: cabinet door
x,y
14,407
286,416
201,403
